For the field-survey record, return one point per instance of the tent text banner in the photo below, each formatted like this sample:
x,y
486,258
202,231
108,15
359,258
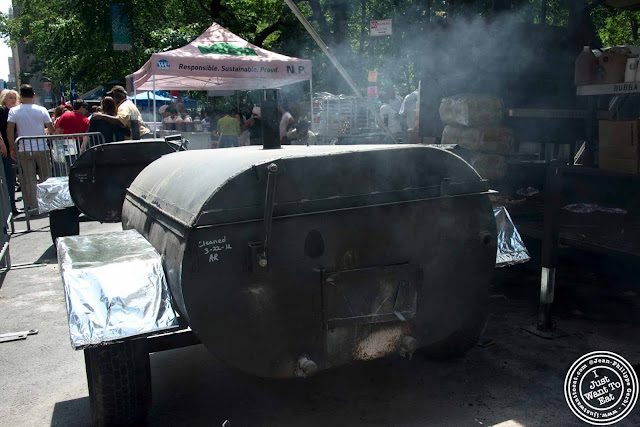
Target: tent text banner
x,y
219,60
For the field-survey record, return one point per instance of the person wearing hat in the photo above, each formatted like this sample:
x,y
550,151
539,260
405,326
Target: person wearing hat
x,y
75,121
301,135
128,115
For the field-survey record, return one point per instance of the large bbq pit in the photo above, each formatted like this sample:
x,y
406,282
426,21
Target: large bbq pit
x,y
336,253
285,262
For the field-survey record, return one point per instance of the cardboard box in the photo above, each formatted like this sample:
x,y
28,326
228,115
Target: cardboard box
x,y
620,145
611,67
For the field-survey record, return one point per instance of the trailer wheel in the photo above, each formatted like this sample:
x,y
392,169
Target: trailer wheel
x,y
460,341
64,222
119,380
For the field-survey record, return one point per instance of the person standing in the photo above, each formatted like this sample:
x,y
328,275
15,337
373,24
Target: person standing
x,y
75,121
391,118
128,115
28,120
301,135
8,100
111,132
408,110
245,117
255,129
286,122
59,111
228,129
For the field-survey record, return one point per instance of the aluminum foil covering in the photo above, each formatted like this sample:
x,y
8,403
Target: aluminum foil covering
x,y
511,249
114,287
53,194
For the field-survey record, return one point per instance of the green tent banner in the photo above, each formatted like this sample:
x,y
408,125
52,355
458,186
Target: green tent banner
x,y
227,49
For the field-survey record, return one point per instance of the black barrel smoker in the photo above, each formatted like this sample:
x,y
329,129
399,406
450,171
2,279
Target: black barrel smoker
x,y
99,178
288,261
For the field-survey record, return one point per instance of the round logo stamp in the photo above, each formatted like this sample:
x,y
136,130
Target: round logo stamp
x,y
601,388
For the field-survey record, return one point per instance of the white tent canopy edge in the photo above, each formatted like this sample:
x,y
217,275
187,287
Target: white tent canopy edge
x,y
219,60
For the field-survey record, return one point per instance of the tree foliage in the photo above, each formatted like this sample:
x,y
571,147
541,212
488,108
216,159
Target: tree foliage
x,y
72,40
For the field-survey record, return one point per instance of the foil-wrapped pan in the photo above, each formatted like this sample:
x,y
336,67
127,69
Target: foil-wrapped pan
x,y
53,194
511,249
114,287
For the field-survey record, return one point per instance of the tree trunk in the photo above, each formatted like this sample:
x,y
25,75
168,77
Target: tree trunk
x,y
543,13
318,16
501,5
340,21
365,26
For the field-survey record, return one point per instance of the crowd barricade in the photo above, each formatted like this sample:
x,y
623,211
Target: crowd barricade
x,y
7,218
45,156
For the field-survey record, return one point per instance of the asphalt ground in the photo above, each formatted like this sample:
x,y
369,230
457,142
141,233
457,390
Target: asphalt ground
x,y
512,379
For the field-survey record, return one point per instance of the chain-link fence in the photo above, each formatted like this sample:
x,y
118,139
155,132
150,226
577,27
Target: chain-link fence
x,y
45,156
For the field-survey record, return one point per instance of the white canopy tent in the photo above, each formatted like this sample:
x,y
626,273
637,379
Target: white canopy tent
x,y
219,60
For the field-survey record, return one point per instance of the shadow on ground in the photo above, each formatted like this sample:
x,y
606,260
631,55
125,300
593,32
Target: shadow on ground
x,y
71,413
49,256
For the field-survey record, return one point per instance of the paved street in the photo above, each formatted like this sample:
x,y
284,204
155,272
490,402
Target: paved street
x,y
517,380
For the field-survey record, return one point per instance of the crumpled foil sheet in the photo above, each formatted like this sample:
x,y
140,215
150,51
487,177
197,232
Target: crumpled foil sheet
x,y
114,287
53,194
511,249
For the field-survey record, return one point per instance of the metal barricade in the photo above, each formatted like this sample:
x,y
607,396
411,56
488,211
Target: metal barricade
x,y
7,217
44,156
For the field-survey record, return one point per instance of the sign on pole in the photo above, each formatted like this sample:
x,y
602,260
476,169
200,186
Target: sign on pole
x,y
381,27
120,27
372,92
373,76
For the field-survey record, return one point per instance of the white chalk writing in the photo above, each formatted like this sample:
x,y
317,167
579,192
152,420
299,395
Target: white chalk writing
x,y
212,248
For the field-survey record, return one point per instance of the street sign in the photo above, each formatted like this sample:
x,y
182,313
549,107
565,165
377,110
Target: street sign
x,y
372,92
373,76
381,27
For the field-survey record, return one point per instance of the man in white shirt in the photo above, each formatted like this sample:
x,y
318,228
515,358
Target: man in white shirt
x,y
26,120
286,123
408,109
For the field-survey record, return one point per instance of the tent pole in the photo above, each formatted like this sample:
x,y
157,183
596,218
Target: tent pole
x,y
153,83
311,104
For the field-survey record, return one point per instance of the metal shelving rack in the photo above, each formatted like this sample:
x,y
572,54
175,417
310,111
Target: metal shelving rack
x,y
591,238
337,115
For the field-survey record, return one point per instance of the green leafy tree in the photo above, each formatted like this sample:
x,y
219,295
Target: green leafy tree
x,y
72,40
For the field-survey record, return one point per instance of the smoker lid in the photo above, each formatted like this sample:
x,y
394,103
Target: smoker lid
x,y
190,186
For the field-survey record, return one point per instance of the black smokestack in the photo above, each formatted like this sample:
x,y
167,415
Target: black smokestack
x,y
270,119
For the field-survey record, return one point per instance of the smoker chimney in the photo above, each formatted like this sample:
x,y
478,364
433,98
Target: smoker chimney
x,y
270,119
